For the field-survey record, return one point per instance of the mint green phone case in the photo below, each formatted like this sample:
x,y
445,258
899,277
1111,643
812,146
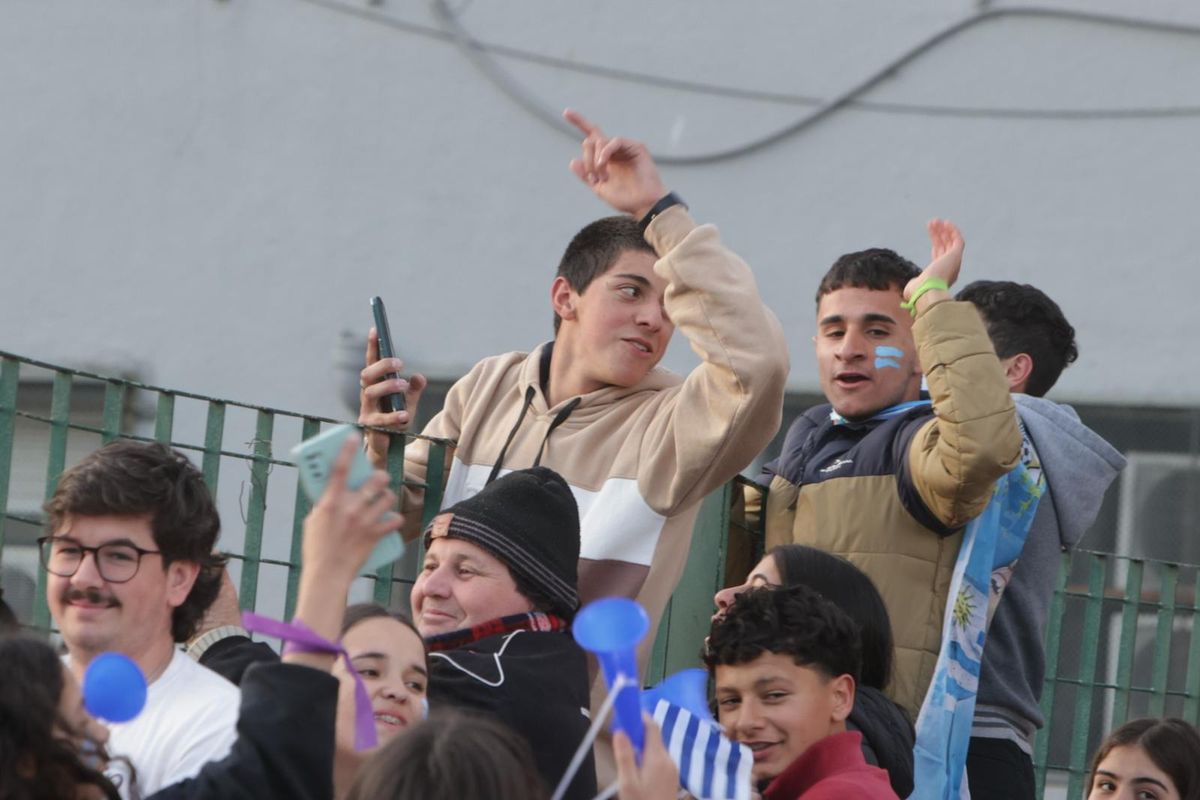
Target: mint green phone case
x,y
315,457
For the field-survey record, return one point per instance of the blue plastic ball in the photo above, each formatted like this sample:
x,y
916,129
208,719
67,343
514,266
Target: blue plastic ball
x,y
114,688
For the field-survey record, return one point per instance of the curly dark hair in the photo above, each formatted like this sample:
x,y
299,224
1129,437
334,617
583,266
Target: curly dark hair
x,y
596,248
1022,319
876,268
126,478
788,620
847,587
37,762
1172,744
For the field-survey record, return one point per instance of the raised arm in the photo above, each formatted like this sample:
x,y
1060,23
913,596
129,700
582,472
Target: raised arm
x,y
974,438
729,407
287,717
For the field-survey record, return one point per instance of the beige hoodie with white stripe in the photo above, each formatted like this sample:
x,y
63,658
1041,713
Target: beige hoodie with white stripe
x,y
639,459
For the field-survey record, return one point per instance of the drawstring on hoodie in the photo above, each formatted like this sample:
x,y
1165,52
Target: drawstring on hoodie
x,y
511,435
559,419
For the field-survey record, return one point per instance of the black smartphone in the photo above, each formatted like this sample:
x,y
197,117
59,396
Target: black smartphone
x,y
391,402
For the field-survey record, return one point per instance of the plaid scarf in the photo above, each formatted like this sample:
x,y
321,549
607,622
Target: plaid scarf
x,y
530,621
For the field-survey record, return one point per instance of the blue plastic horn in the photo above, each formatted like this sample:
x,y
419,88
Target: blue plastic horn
x,y
114,688
611,629
687,689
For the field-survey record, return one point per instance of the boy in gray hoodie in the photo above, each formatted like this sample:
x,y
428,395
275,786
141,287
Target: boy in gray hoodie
x,y
1035,343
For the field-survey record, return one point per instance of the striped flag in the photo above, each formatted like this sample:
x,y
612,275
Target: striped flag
x,y
711,767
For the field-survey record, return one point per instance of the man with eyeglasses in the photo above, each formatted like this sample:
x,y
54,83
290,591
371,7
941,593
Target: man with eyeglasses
x,y
130,569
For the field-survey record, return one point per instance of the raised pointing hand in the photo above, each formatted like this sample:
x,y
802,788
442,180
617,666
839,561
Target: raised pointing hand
x,y
620,171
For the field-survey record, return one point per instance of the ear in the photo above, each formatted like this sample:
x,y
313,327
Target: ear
x,y
1017,370
841,691
562,298
181,577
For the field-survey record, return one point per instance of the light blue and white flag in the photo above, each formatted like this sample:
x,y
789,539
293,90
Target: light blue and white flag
x,y
711,767
990,548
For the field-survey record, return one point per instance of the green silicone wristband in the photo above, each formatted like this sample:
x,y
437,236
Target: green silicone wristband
x,y
928,285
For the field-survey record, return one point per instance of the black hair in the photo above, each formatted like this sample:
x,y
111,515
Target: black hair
x,y
596,248
788,620
847,587
452,755
878,268
126,478
38,757
360,612
1172,744
1022,319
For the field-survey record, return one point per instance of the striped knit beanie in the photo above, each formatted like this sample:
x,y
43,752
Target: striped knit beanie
x,y
529,520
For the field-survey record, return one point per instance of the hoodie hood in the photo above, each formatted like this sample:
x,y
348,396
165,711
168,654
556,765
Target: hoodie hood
x,y
1079,465
535,372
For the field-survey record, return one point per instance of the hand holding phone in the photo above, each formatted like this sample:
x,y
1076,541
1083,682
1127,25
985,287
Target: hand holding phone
x,y
392,402
314,459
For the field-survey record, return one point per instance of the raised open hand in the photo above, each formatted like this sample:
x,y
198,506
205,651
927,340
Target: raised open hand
x,y
620,171
946,246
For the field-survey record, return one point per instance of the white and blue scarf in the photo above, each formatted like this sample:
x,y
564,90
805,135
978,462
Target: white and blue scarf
x,y
990,548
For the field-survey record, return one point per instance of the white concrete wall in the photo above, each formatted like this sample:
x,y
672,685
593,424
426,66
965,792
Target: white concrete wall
x,y
208,191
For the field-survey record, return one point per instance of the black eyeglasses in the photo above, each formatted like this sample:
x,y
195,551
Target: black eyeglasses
x,y
117,562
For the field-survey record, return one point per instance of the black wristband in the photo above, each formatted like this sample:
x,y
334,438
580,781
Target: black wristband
x,y
670,199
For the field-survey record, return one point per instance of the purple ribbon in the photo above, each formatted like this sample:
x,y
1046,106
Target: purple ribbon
x,y
299,638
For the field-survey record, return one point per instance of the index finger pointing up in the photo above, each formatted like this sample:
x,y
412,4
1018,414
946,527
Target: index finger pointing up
x,y
581,122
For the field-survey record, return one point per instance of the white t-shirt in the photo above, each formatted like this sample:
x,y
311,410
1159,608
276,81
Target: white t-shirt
x,y
190,719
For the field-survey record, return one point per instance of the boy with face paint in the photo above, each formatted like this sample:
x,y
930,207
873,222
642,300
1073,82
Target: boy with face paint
x,y
882,474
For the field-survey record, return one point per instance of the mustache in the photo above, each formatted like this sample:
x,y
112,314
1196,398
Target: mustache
x,y
90,595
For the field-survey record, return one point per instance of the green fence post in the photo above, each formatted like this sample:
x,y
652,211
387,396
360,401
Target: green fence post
x,y
1053,642
1162,638
214,434
308,429
60,421
114,410
260,470
686,622
1128,644
435,483
435,491
1081,726
395,469
10,378
1191,704
164,417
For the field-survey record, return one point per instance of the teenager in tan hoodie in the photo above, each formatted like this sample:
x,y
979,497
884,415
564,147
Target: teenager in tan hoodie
x,y
639,446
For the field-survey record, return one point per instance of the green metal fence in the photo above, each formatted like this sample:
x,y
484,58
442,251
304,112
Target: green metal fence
x,y
1121,644
138,411
1120,640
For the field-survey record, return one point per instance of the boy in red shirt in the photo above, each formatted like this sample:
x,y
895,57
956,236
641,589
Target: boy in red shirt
x,y
785,662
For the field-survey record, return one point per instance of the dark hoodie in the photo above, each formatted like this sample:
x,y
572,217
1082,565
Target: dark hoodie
x,y
887,736
1078,465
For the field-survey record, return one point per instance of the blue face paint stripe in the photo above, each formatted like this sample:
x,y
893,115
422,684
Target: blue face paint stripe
x,y
888,357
